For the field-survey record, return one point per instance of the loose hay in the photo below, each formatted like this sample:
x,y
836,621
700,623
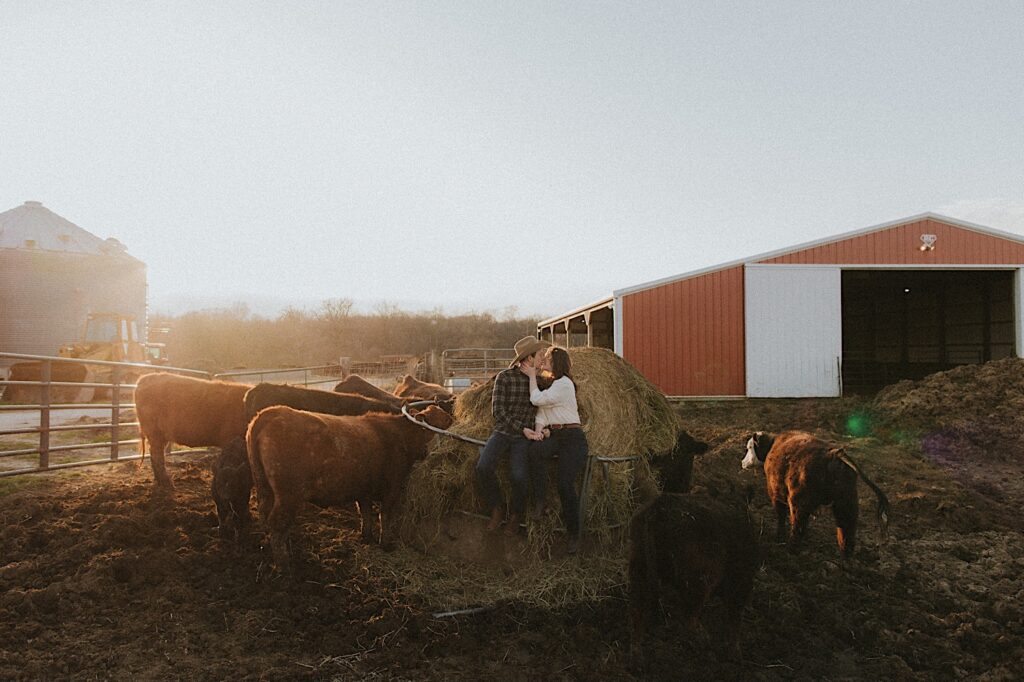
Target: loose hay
x,y
622,414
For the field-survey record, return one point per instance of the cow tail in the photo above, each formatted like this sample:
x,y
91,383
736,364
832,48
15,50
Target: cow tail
x,y
259,475
883,509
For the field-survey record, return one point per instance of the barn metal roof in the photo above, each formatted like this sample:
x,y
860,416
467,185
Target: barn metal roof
x,y
33,227
818,242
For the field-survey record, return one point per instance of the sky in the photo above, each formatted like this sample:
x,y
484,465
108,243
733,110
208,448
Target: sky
x,y
488,155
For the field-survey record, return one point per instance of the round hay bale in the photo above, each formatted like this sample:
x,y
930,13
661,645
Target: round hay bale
x,y
622,414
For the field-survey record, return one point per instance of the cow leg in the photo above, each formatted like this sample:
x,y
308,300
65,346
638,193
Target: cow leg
x,y
641,605
264,501
735,592
799,517
369,521
157,448
782,514
845,513
388,509
638,617
279,524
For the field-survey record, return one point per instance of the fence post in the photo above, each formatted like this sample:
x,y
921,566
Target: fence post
x,y
44,415
115,414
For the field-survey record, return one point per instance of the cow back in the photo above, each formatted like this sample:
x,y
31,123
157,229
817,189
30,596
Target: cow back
x,y
191,412
356,384
263,396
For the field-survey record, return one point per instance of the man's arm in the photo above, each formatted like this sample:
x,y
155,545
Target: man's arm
x,y
500,404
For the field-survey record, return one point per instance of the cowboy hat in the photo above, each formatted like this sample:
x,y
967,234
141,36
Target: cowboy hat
x,y
528,345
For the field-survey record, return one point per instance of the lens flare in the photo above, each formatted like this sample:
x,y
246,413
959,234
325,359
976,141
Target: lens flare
x,y
858,425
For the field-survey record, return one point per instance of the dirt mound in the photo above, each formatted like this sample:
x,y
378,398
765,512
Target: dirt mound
x,y
972,411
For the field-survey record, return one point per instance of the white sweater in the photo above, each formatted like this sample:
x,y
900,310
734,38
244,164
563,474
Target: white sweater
x,y
556,405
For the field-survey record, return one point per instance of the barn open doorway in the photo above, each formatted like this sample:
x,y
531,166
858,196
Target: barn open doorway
x,y
905,324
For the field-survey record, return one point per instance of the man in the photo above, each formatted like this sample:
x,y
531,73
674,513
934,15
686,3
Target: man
x,y
514,418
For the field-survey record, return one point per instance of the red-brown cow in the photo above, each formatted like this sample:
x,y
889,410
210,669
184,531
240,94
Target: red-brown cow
x,y
411,387
186,411
802,473
356,384
300,457
684,548
232,479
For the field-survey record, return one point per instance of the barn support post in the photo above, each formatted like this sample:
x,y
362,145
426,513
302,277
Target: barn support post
x,y
1018,291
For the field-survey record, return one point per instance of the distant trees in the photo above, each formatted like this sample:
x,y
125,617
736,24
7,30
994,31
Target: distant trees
x,y
225,338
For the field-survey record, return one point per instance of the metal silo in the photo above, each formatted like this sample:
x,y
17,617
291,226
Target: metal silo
x,y
53,274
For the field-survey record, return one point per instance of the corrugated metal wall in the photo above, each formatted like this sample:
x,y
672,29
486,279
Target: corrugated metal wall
x,y
687,336
794,331
901,244
45,296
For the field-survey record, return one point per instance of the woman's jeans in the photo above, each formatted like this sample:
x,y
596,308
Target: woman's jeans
x,y
517,448
571,448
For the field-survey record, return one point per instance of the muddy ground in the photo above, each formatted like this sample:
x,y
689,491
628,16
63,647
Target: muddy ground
x,y
99,578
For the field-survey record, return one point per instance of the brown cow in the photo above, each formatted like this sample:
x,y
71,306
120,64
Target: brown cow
x,y
356,384
804,472
231,487
683,550
186,411
411,387
300,457
232,480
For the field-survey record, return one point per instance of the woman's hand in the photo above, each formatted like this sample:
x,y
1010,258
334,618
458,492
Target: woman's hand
x,y
530,371
533,435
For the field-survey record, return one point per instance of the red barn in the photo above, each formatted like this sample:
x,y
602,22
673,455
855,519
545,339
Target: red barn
x,y
852,312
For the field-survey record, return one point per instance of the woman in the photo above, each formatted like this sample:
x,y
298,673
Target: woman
x,y
558,432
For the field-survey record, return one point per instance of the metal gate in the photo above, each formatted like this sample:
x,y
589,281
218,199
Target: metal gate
x,y
58,429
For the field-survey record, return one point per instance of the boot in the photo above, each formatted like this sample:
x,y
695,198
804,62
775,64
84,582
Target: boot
x,y
497,515
573,545
512,527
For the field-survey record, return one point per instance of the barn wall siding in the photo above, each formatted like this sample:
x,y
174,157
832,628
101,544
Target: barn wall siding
x,y
901,245
793,331
686,337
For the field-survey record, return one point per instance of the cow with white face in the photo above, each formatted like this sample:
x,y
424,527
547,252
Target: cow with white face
x,y
758,446
804,472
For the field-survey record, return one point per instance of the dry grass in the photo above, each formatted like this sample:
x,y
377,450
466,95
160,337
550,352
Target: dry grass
x,y
622,414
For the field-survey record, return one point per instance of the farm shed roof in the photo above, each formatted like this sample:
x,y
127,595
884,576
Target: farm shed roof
x,y
600,303
32,226
819,242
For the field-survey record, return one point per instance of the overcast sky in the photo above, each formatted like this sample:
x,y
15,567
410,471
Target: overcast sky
x,y
479,155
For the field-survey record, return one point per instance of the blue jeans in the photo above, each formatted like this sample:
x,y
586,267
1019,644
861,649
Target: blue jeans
x,y
572,449
517,448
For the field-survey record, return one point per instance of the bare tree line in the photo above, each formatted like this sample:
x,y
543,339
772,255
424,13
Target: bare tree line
x,y
226,338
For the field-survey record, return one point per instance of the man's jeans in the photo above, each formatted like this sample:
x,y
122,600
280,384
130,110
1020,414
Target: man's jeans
x,y
517,448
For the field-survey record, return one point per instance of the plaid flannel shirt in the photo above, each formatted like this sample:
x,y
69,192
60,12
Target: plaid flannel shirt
x,y
510,403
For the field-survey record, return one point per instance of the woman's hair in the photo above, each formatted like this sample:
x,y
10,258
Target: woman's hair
x,y
560,363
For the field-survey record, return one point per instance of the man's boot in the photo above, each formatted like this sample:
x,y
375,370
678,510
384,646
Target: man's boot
x,y
496,517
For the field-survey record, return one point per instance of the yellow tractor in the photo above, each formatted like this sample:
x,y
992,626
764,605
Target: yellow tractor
x,y
112,337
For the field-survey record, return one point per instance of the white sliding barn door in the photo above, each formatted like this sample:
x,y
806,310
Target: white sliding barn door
x,y
794,330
